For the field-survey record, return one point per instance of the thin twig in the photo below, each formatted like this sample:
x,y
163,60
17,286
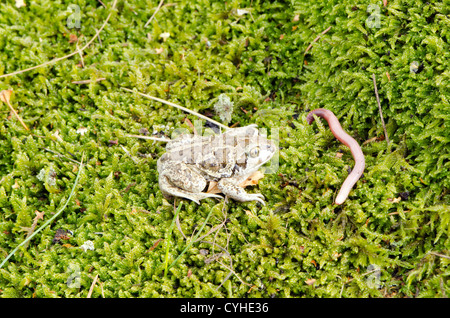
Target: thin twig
x,y
397,212
149,138
61,155
217,260
154,13
69,55
81,55
39,215
379,108
128,154
101,286
89,81
99,38
440,255
177,221
232,271
5,98
177,106
102,3
316,39
216,228
92,286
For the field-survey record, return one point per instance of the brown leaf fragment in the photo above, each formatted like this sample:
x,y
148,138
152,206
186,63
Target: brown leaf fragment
x,y
39,215
336,255
190,124
253,179
394,200
73,38
369,140
155,244
213,188
310,281
60,234
15,185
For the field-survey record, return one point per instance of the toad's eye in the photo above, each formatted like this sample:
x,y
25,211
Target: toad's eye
x,y
254,152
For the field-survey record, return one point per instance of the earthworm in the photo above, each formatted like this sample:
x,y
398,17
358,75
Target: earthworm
x,y
347,140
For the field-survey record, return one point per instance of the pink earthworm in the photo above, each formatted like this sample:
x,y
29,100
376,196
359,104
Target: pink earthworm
x,y
347,140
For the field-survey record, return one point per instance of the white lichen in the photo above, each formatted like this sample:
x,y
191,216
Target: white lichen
x,y
224,108
48,177
82,131
88,245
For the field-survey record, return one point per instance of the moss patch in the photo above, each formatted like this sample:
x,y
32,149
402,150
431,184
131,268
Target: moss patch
x,y
389,239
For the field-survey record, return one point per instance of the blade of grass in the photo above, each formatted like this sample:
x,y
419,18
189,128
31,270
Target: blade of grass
x,y
168,236
51,219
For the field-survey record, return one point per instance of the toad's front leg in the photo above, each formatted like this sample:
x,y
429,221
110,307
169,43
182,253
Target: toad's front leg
x,y
230,187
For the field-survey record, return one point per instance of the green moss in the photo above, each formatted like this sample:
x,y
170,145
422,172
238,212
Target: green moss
x,y
397,218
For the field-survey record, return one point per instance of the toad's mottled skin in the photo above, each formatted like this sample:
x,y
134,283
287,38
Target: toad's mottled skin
x,y
229,158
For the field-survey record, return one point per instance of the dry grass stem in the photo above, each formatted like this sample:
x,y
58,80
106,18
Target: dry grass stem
x,y
440,255
177,106
149,138
102,3
154,13
39,215
89,81
128,154
4,97
232,271
99,38
81,55
214,229
369,141
379,108
92,286
316,39
61,155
